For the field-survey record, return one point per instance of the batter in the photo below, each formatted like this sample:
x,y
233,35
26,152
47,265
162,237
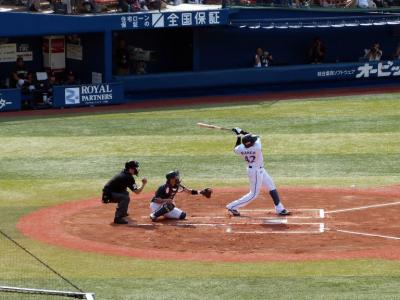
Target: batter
x,y
249,147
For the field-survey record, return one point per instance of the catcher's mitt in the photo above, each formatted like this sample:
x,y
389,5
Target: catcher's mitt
x,y
207,192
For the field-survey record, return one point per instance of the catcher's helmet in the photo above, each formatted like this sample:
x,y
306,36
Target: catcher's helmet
x,y
249,139
172,174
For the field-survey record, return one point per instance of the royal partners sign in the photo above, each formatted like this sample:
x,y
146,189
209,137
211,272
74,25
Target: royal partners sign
x,y
88,95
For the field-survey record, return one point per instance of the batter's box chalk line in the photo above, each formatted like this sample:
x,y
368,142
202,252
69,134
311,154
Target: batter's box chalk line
x,y
363,207
318,229
365,234
229,227
252,218
301,213
308,213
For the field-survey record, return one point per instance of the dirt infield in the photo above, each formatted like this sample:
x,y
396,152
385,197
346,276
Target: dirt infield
x,y
326,224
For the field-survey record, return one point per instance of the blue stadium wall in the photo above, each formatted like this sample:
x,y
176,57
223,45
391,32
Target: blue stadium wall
x,y
218,55
92,46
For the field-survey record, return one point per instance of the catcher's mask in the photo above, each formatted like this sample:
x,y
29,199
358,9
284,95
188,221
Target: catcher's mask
x,y
133,164
173,175
249,139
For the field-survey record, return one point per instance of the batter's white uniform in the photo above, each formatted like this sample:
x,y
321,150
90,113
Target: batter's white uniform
x,y
258,176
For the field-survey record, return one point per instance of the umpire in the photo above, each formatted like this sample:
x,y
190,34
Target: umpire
x,y
115,191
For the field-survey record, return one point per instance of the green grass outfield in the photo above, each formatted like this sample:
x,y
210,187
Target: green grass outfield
x,y
320,142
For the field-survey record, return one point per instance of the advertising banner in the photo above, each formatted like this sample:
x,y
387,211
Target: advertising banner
x,y
88,95
10,99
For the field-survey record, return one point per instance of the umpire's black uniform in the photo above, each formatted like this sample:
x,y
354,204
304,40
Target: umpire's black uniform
x,y
116,191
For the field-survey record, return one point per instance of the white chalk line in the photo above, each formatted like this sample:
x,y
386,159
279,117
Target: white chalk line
x,y
229,230
366,234
362,207
256,218
319,214
218,224
274,232
284,222
315,213
321,229
270,210
203,224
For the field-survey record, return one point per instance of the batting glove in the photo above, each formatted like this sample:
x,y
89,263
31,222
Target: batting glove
x,y
237,130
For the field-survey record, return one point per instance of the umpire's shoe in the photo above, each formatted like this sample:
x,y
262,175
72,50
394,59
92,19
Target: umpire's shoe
x,y
234,212
284,212
120,221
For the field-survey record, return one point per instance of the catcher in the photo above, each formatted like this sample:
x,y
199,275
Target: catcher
x,y
163,204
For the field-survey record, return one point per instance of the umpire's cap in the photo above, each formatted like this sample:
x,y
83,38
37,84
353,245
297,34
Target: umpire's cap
x,y
132,164
249,139
172,174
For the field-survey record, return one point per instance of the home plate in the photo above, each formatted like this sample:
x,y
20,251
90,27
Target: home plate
x,y
275,221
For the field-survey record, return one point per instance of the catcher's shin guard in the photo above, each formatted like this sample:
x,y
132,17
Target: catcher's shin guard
x,y
182,216
165,208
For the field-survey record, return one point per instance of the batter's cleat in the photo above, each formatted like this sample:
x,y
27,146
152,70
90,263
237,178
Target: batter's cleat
x,y
153,217
125,215
285,212
234,212
120,221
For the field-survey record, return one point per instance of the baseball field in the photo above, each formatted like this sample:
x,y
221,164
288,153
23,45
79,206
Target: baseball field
x,y
338,154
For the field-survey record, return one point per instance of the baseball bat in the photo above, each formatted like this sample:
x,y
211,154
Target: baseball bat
x,y
210,126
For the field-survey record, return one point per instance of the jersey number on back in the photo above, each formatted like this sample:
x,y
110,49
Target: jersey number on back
x,y
250,159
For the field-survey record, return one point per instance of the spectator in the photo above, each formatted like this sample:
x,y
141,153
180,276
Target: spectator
x,y
381,3
141,67
366,4
34,5
27,85
316,54
258,57
71,79
129,5
44,89
374,53
397,52
88,6
20,73
122,58
267,59
298,3
262,58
